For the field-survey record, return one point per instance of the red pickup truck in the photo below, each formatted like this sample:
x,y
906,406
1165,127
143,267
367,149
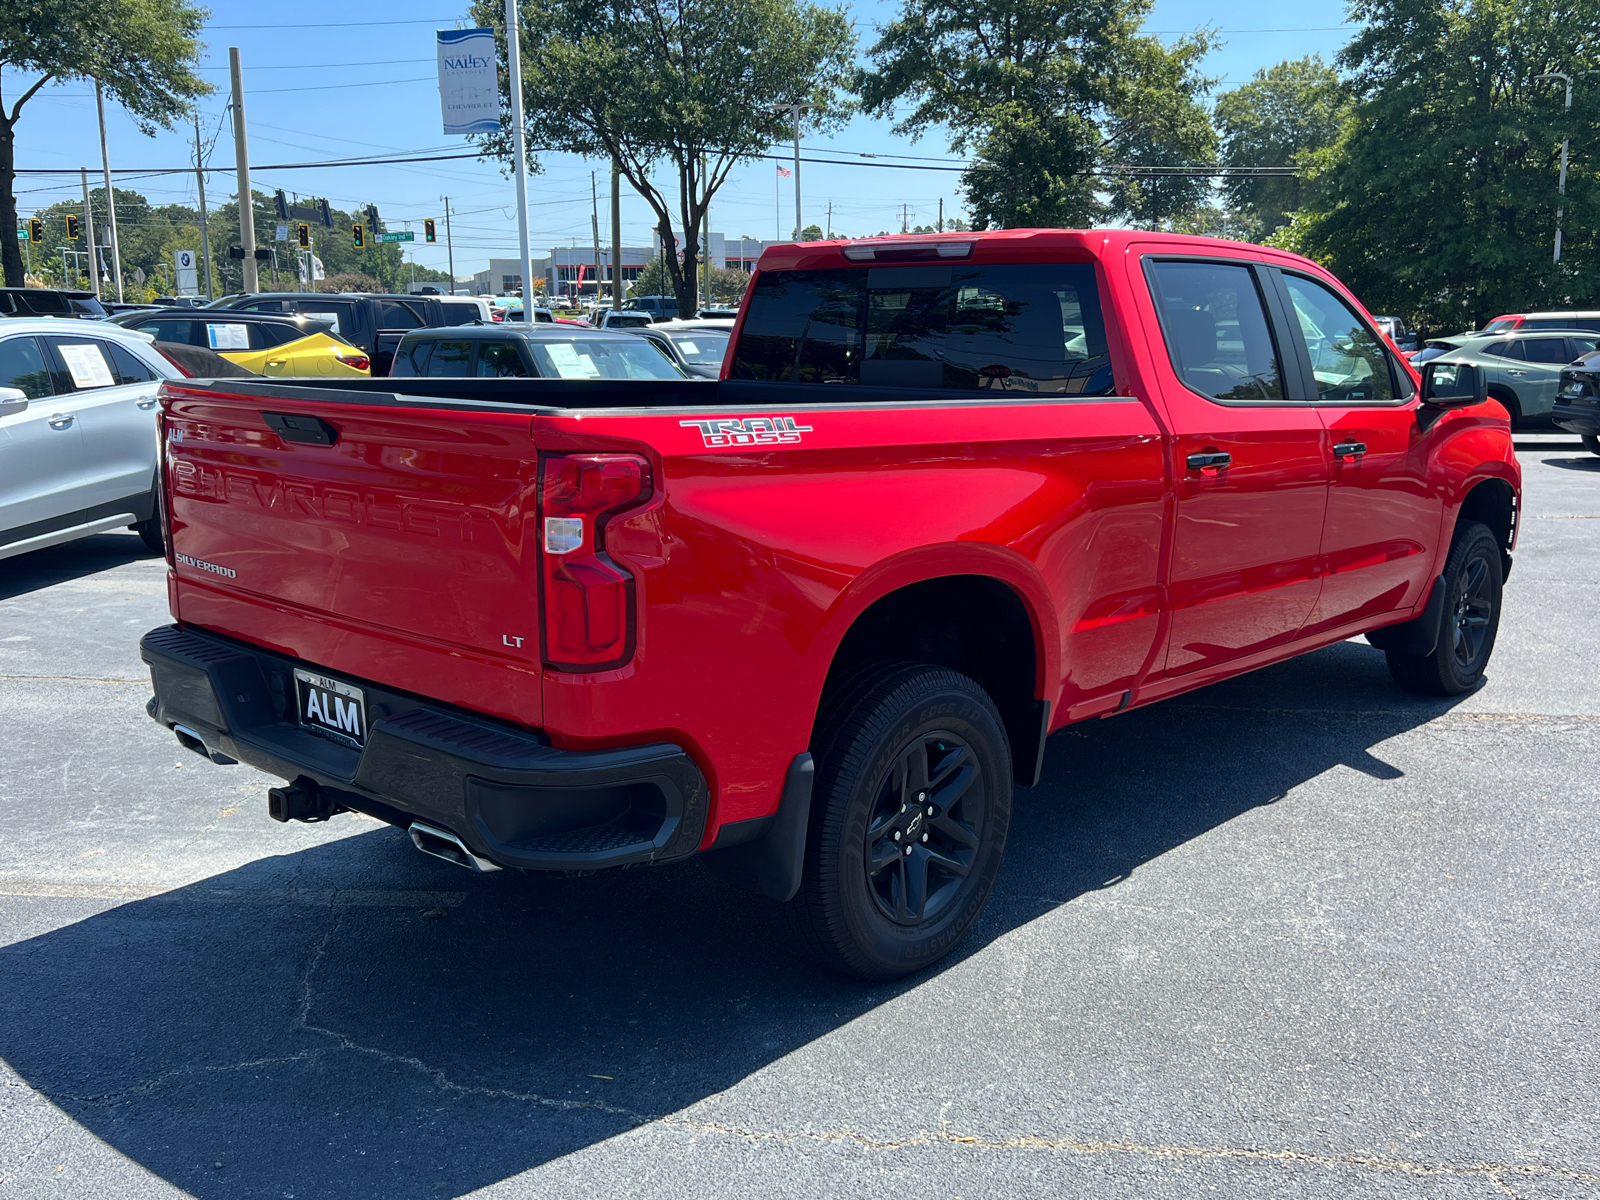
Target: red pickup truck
x,y
814,620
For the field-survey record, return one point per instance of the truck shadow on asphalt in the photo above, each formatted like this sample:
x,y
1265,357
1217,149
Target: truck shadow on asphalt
x,y
71,560
360,1021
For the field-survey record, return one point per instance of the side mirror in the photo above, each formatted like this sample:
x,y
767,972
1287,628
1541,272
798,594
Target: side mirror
x,y
12,401
1453,384
1447,385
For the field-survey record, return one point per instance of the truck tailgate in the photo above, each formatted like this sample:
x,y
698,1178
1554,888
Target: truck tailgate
x,y
396,544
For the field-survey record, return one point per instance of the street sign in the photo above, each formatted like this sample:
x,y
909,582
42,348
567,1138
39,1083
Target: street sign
x,y
282,235
188,277
405,235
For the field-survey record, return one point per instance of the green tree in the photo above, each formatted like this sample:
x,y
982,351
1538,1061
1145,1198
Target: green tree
x,y
811,233
654,280
685,88
728,284
1439,200
1043,95
1281,118
144,52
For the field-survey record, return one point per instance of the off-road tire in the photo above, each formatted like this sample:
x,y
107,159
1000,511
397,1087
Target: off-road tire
x,y
860,908
1473,582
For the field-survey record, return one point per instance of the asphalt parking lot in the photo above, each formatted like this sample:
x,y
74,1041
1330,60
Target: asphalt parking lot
x,y
1300,934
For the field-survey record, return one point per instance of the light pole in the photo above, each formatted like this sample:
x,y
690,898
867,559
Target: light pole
x,y
1561,205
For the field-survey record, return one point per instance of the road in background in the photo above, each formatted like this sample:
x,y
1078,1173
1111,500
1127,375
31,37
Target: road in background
x,y
1298,934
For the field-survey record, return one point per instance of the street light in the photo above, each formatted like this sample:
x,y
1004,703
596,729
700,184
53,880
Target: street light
x,y
1567,111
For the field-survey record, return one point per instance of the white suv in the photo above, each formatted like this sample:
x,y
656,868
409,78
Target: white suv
x,y
77,432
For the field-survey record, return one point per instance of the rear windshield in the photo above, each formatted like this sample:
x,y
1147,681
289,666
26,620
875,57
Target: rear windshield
x,y
1028,328
619,357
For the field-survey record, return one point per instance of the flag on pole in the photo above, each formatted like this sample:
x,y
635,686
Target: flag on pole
x,y
784,172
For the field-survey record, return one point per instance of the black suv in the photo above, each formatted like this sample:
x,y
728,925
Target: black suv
x,y
373,322
1577,406
50,302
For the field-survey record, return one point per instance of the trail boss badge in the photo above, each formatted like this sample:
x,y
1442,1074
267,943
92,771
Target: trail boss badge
x,y
724,432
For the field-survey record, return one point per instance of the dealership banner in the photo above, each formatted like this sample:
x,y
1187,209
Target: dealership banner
x,y
469,91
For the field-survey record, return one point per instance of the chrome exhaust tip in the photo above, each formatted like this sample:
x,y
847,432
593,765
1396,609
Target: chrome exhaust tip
x,y
190,740
441,843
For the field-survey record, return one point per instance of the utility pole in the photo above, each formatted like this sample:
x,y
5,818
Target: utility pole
x,y
88,232
616,236
798,108
905,218
111,197
830,220
449,246
520,140
594,220
241,152
205,231
1561,204
941,214
705,240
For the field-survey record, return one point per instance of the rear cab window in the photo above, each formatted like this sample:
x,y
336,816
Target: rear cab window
x,y
1033,328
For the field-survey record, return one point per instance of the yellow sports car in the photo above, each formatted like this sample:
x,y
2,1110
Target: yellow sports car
x,y
266,343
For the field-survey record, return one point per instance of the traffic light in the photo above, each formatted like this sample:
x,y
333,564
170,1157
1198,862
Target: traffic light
x,y
302,233
428,234
72,227
325,214
281,203
372,219
358,235
35,230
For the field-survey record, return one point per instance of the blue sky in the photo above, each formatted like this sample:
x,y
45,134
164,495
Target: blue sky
x,y
317,89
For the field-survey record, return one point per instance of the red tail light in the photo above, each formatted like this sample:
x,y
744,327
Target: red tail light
x,y
359,361
588,598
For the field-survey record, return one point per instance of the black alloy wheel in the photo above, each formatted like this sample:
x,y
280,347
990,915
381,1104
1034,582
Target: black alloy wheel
x,y
1473,581
925,828
908,824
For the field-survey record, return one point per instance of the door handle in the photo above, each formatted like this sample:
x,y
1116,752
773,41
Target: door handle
x,y
1349,449
1514,371
150,403
276,362
62,421
1209,460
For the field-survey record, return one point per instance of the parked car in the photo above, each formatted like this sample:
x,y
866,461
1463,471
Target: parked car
x,y
77,432
263,343
1585,319
815,619
717,313
371,322
49,302
696,347
621,319
660,308
1577,404
541,316
514,350
1523,368
1395,330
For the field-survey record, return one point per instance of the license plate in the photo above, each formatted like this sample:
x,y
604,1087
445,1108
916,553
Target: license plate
x,y
332,708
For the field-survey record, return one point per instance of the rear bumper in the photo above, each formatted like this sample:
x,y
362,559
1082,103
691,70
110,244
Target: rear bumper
x,y
506,792
1576,418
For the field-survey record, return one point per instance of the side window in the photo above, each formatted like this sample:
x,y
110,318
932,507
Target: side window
x,y
413,360
264,335
22,366
1348,360
1216,330
86,362
1583,345
127,366
499,360
181,332
1503,349
1548,350
393,314
450,359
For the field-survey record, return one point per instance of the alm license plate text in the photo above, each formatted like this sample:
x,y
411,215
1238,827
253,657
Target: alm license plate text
x,y
332,708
